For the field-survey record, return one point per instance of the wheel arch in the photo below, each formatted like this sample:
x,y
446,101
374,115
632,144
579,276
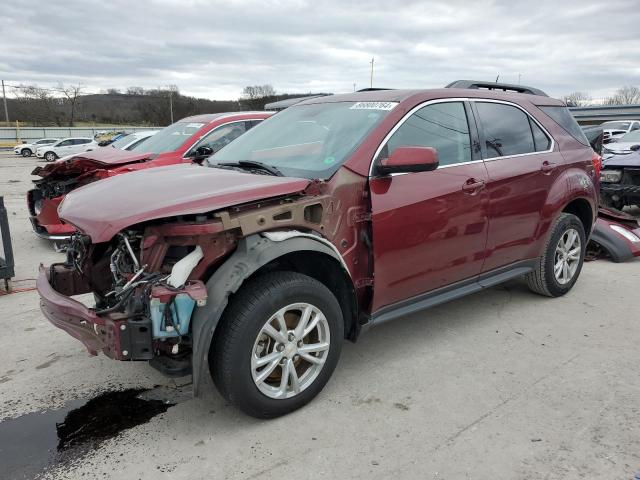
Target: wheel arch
x,y
260,253
581,208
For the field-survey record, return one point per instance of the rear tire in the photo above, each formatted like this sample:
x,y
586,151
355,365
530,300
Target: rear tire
x,y
251,364
25,152
559,266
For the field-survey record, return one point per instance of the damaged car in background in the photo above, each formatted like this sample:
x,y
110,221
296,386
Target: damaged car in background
x,y
189,140
616,234
338,214
620,179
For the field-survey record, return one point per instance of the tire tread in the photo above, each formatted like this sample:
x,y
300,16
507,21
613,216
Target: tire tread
x,y
232,327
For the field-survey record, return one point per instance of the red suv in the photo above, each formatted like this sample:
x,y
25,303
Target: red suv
x,y
189,140
333,216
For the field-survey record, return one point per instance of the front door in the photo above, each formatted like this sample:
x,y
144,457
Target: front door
x,y
429,228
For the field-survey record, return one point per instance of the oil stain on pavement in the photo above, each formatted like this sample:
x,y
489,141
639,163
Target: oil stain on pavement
x,y
33,443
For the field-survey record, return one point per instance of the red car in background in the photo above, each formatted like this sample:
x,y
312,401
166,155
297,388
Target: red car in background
x,y
189,140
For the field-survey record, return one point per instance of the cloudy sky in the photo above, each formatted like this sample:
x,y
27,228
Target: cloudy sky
x,y
212,49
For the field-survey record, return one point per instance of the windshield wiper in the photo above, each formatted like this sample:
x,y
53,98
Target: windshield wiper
x,y
252,164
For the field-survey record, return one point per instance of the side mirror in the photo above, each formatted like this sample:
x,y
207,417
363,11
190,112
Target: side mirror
x,y
410,159
203,151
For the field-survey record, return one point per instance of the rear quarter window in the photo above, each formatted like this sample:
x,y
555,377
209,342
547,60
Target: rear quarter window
x,y
563,117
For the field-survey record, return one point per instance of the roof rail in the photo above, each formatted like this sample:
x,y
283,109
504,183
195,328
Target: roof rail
x,y
506,87
374,89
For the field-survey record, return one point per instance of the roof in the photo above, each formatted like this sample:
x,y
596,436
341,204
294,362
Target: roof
x,y
428,94
282,104
210,117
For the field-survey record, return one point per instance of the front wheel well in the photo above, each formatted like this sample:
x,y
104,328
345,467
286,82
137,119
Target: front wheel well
x,y
329,272
581,209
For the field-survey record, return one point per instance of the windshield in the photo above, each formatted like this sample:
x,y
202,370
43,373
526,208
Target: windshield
x,y
630,137
122,141
616,125
309,141
169,139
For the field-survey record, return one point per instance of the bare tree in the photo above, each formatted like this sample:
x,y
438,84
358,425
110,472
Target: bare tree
x,y
37,106
627,95
254,96
113,91
135,91
71,93
577,99
252,92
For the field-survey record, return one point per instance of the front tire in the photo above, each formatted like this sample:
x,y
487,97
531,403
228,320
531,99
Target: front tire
x,y
50,156
277,344
559,266
25,152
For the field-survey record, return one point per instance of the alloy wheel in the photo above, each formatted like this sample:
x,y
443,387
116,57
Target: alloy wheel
x,y
290,350
567,256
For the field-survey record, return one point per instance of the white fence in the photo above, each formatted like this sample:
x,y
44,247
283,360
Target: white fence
x,y
13,134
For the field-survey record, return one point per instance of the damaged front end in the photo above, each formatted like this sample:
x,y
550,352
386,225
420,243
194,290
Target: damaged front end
x,y
59,178
620,179
142,295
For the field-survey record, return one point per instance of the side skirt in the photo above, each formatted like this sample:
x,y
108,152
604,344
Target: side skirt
x,y
450,292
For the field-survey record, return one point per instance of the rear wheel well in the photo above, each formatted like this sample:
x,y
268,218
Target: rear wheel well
x,y
581,209
329,272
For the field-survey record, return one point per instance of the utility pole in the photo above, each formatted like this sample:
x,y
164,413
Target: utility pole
x,y
371,72
354,87
519,77
6,112
171,104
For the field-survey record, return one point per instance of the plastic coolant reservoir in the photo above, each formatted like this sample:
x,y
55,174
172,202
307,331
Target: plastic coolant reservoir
x,y
182,269
181,310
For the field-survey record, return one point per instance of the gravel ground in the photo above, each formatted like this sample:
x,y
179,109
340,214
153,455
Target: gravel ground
x,y
499,385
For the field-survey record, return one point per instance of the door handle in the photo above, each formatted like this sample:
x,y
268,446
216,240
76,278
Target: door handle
x,y
473,186
548,167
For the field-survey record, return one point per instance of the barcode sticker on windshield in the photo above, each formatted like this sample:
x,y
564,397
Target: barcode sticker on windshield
x,y
374,106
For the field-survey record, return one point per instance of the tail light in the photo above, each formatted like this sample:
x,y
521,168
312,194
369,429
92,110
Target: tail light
x,y
597,164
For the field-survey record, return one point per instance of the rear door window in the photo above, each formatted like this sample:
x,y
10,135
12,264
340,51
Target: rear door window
x,y
507,130
442,126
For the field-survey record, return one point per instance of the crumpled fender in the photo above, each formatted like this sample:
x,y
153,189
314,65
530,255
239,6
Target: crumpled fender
x,y
252,253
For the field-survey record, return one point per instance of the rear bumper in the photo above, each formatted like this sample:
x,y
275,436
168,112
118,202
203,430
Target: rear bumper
x,y
118,338
621,241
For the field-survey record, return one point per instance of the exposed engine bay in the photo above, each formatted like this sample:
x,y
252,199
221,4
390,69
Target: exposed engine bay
x,y
155,305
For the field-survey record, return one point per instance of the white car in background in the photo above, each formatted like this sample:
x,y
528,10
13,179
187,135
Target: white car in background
x,y
66,146
28,149
618,128
132,140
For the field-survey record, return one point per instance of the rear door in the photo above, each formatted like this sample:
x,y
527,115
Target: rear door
x,y
522,165
79,145
429,228
64,148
